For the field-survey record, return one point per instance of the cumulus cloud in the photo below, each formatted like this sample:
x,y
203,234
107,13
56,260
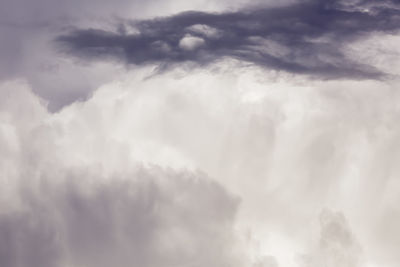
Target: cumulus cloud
x,y
314,35
226,164
57,210
271,142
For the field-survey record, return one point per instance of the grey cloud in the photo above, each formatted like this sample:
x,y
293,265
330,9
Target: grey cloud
x,y
57,214
266,261
337,245
309,37
27,28
154,218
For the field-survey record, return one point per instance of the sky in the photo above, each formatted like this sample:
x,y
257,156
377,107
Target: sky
x,y
199,133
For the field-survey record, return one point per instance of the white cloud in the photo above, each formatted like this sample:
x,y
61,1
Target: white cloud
x,y
71,195
336,245
189,42
286,146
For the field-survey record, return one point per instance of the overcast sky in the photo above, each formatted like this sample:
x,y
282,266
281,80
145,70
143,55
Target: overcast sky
x,y
173,133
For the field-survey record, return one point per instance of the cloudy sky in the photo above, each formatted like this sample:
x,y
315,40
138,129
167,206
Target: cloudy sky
x,y
201,133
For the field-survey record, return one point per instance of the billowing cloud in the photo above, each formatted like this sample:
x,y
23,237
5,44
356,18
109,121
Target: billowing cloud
x,y
58,212
153,217
286,148
142,134
308,37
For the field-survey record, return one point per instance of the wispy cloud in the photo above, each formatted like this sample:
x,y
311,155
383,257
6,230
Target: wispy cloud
x,y
303,38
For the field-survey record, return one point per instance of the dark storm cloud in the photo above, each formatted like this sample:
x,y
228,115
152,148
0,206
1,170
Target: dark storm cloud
x,y
161,219
305,38
26,52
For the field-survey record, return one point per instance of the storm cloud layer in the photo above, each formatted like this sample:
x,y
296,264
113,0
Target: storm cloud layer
x,y
27,52
308,37
199,133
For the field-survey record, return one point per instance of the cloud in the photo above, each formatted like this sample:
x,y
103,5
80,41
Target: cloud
x,y
308,37
286,147
27,29
149,169
154,217
336,246
204,30
189,42
59,210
